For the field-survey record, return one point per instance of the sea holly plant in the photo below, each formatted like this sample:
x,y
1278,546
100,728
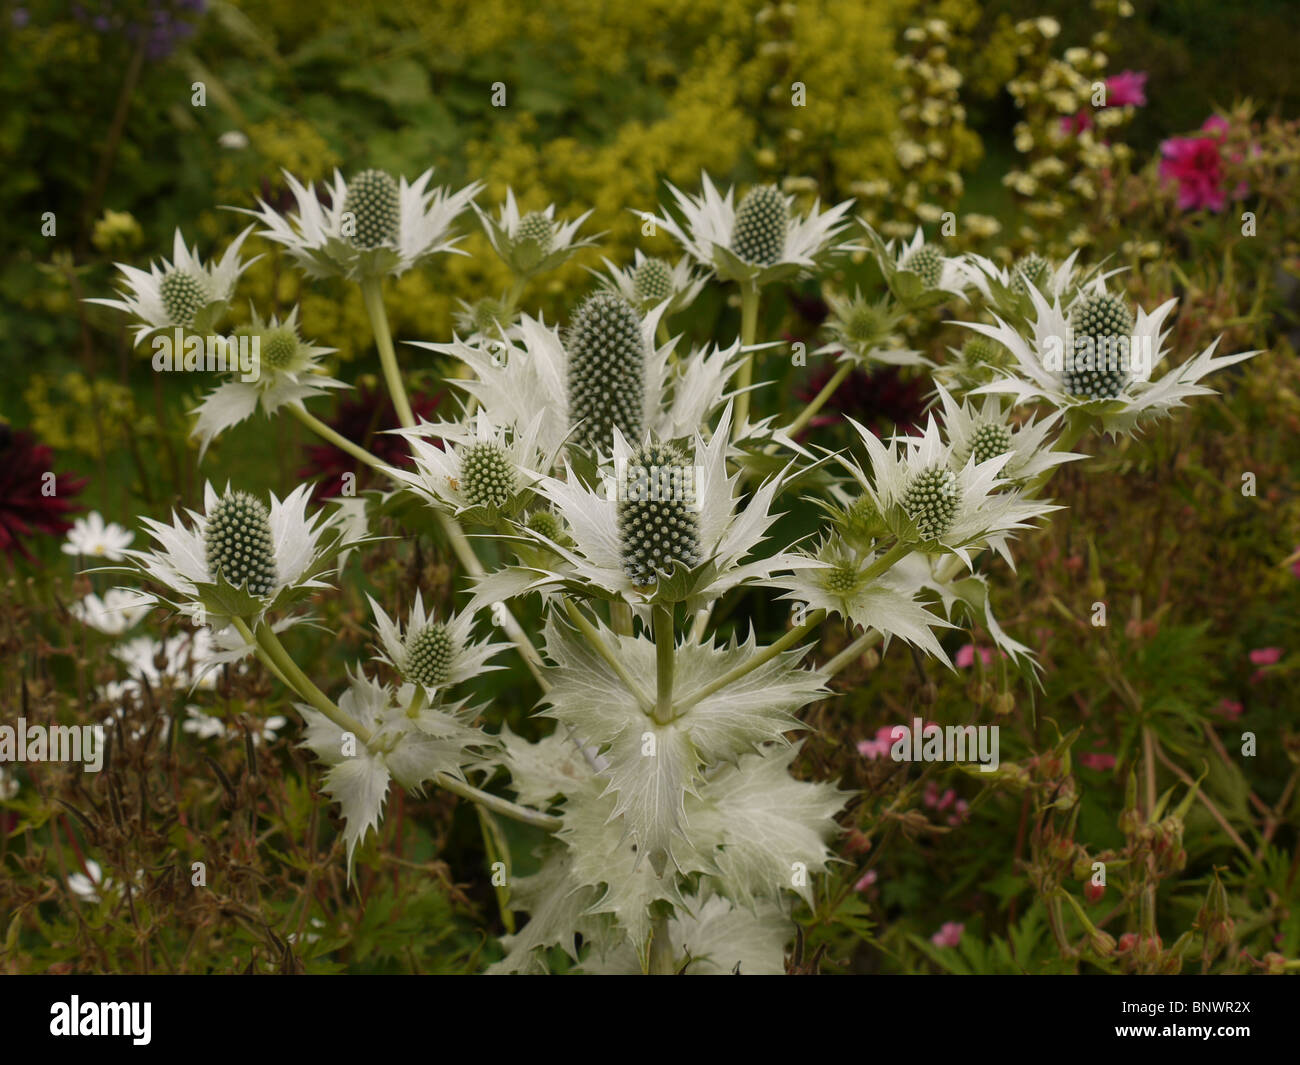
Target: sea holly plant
x,y
667,810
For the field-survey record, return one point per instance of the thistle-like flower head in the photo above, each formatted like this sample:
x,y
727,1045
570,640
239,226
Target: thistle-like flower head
x,y
238,546
867,333
648,282
658,522
607,356
534,242
430,653
918,274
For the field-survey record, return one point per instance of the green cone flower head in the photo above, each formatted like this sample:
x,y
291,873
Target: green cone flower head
x,y
991,440
183,296
487,476
652,282
548,524
1031,269
980,350
927,263
1102,326
931,501
762,222
607,355
239,544
374,202
658,524
533,239
429,656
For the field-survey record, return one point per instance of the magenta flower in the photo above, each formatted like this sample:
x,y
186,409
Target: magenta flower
x,y
966,656
868,878
1073,125
1196,164
1098,760
949,935
1128,87
1266,656
1230,708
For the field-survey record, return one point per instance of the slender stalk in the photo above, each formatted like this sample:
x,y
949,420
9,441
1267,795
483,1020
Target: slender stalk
x,y
305,686
593,637
337,439
498,805
661,948
818,401
665,651
620,618
372,293
886,561
749,296
763,656
842,660
242,628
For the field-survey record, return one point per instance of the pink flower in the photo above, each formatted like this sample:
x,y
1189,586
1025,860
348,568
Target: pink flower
x,y
1230,709
868,878
879,746
1098,760
966,656
1073,125
959,813
1265,656
1196,163
1128,87
949,935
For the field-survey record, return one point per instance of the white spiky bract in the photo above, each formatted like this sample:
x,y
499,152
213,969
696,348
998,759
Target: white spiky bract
x,y
684,280
467,660
503,233
142,295
1040,362
316,238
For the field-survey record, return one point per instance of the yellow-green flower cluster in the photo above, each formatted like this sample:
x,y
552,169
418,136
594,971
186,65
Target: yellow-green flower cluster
x,y
70,413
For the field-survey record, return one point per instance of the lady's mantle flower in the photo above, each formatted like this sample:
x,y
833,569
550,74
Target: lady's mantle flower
x,y
373,225
481,474
927,495
534,242
987,432
606,371
648,282
762,240
91,537
410,749
288,371
919,274
1098,358
237,558
433,655
666,528
181,294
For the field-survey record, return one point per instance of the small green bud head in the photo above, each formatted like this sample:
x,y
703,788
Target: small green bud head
x,y
606,369
279,348
239,545
429,656
1102,325
652,282
183,296
864,324
1031,269
931,501
844,579
537,231
927,263
487,476
374,202
980,350
547,524
989,441
762,222
658,524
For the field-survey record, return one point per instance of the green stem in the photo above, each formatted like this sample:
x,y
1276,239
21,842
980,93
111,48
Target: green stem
x,y
749,295
661,948
760,658
338,440
498,805
886,561
372,293
867,640
242,627
818,401
665,650
588,630
305,687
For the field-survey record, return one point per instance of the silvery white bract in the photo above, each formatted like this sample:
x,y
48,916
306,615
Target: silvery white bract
x,y
985,431
918,273
397,745
1042,366
648,282
289,372
708,233
431,654
1008,287
317,238
866,333
480,474
181,294
528,374
928,499
533,242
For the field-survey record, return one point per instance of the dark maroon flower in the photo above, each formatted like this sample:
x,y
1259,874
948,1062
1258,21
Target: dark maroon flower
x,y
363,417
883,400
33,498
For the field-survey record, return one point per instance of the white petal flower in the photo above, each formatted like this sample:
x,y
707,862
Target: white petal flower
x,y
91,537
202,726
180,294
760,241
88,887
534,242
118,611
341,240
287,372
8,785
431,654
1099,360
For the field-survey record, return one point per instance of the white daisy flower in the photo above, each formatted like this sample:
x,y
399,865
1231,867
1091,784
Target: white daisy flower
x,y
431,654
397,746
88,885
987,431
92,537
8,785
650,281
926,499
665,528
1096,358
237,559
202,726
606,370
480,474
184,660
288,372
373,225
118,611
918,273
762,240
181,294
534,242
